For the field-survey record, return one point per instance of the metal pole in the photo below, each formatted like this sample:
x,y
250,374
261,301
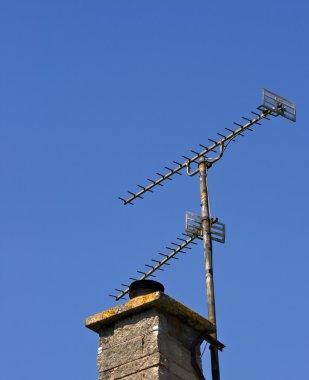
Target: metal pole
x,y
205,214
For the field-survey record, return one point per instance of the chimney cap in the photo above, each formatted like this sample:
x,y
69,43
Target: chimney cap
x,y
143,287
158,301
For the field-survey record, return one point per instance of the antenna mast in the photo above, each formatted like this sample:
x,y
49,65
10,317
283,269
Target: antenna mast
x,y
207,242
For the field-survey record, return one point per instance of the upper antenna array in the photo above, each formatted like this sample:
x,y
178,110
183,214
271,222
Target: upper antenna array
x,y
273,105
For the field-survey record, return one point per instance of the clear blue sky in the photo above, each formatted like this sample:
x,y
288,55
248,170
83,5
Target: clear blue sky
x,y
95,97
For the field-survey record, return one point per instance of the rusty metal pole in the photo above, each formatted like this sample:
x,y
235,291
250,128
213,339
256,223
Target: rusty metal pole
x,y
206,224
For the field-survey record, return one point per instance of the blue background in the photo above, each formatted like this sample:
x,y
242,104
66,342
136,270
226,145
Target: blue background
x,y
95,97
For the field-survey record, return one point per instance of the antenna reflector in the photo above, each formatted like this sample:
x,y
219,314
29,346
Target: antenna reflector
x,y
194,227
193,224
217,231
279,105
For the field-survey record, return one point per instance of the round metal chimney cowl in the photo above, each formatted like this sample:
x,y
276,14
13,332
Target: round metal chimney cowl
x,y
143,287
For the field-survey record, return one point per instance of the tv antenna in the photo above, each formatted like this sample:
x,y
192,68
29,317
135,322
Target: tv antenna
x,y
203,226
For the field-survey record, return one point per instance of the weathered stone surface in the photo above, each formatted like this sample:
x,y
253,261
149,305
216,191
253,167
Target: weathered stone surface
x,y
165,374
139,365
174,351
120,354
123,330
180,372
128,342
178,330
152,374
148,374
150,342
135,367
106,375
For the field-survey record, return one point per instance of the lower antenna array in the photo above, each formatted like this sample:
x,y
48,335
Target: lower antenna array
x,y
193,231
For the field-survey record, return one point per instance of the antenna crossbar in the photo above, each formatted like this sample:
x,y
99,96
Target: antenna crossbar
x,y
220,143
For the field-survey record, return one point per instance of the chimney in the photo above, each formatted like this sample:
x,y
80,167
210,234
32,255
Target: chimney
x,y
152,336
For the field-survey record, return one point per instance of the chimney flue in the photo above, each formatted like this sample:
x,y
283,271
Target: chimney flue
x,y
144,287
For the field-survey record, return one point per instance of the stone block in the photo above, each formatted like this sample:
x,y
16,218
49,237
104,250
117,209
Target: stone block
x,y
120,331
135,367
148,374
119,354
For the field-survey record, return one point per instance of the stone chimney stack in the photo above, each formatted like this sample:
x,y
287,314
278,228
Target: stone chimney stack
x,y
152,336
